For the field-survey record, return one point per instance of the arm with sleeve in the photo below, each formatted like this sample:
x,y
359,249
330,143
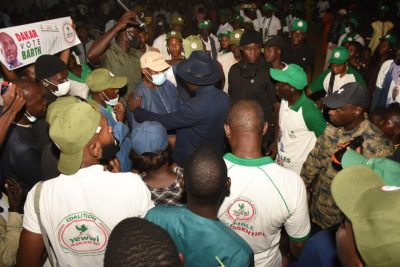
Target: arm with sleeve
x,y
182,118
318,84
9,238
380,80
314,120
312,166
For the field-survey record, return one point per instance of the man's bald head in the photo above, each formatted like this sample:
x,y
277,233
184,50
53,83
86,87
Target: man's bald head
x,y
245,116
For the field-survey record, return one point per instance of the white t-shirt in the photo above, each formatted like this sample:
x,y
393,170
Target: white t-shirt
x,y
394,90
161,44
299,127
263,197
227,60
270,26
79,211
339,81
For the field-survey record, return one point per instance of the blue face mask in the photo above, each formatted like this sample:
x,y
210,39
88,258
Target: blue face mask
x,y
158,79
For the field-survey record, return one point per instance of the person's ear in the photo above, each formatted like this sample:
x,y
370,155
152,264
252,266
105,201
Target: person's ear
x,y
181,259
265,128
228,186
227,130
358,111
95,150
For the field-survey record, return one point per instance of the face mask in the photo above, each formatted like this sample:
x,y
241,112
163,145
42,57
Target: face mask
x,y
347,29
30,117
62,88
133,40
110,102
160,23
158,79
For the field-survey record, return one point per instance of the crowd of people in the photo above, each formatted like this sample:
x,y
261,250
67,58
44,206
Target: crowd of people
x,y
204,135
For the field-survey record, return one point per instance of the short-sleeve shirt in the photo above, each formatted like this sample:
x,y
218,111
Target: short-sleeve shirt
x,y
121,63
263,197
203,242
270,26
300,125
322,81
256,86
79,211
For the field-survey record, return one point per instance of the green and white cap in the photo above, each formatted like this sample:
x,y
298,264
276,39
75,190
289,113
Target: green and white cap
x,y
292,74
192,43
339,55
299,25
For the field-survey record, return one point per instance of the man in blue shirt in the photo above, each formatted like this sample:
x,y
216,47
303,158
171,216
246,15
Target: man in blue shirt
x,y
200,120
195,229
158,94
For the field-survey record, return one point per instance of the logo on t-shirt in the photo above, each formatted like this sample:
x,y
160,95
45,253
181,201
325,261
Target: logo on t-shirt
x,y
242,209
83,233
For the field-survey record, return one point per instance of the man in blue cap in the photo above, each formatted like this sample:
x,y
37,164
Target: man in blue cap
x,y
200,120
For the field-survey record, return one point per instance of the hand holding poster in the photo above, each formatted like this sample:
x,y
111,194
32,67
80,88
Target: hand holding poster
x,y
22,45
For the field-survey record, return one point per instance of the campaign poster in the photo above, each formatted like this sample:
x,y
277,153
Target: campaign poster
x,y
22,45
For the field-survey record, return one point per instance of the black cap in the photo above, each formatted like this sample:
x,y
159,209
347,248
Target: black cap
x,y
274,41
47,66
251,37
350,93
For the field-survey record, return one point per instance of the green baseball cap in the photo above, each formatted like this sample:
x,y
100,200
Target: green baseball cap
x,y
348,39
73,122
205,24
177,20
384,8
299,25
386,168
268,6
102,79
174,34
225,33
234,38
292,74
192,43
238,19
390,38
373,207
339,55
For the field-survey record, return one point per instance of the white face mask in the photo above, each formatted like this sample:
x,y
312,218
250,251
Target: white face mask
x,y
62,88
110,102
347,29
30,118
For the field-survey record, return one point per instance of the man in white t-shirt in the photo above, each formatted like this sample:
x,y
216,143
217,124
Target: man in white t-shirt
x,y
79,208
300,121
263,195
270,24
227,60
387,88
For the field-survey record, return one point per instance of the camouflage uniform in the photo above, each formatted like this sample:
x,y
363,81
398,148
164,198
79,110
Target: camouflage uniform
x,y
317,171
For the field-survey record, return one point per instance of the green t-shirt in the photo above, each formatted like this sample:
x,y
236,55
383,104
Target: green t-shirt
x,y
203,242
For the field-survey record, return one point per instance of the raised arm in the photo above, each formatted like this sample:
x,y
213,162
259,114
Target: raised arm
x,y
100,45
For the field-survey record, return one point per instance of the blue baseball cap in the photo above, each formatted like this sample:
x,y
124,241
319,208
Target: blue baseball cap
x,y
149,137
